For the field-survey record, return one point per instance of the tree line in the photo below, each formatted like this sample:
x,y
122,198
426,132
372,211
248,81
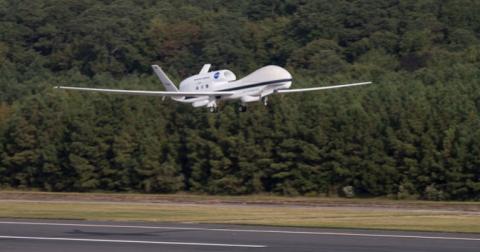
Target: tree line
x,y
413,134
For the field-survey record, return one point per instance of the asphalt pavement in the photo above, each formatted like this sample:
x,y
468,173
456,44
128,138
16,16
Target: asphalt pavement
x,y
72,236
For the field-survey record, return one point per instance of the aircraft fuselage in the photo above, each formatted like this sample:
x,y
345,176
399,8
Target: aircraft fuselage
x,y
250,88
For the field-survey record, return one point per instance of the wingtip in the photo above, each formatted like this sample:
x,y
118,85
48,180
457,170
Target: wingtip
x,y
366,83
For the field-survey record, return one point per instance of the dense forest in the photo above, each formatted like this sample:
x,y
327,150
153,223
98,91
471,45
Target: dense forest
x,y
415,133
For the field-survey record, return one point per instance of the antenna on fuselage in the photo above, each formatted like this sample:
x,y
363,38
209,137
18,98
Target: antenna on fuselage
x,y
205,69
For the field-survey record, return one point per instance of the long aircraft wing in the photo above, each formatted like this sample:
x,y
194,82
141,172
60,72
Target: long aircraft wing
x,y
284,91
147,93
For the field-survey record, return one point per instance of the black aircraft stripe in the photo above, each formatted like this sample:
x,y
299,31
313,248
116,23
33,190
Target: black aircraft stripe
x,y
245,87
255,85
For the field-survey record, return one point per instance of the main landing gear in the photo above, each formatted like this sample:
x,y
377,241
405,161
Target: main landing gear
x,y
265,101
242,108
213,109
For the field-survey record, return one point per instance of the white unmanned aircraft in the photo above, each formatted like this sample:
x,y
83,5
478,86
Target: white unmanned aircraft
x,y
207,88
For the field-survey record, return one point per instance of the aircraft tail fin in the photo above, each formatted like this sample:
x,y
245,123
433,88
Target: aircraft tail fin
x,y
167,83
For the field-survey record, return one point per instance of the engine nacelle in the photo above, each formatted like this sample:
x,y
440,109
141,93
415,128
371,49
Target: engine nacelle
x,y
223,75
205,81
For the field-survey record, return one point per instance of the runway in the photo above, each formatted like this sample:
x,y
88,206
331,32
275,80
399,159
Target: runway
x,y
67,235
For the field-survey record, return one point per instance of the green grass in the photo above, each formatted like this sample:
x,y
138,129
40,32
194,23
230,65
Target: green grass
x,y
334,217
259,198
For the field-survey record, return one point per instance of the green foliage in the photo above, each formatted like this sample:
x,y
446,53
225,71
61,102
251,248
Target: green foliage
x,y
414,134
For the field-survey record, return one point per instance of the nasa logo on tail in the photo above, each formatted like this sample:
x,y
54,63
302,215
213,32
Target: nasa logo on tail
x,y
216,75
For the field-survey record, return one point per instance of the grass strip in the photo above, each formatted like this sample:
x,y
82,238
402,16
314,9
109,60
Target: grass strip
x,y
331,217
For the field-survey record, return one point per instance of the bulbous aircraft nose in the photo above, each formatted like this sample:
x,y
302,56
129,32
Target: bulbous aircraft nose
x,y
267,74
280,74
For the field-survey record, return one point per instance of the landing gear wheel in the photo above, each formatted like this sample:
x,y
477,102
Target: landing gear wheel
x,y
265,101
242,108
213,109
